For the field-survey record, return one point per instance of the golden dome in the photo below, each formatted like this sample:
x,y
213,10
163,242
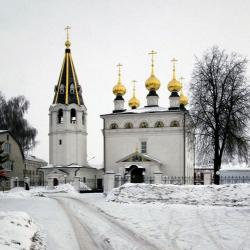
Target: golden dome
x,y
174,85
152,83
134,103
183,99
119,89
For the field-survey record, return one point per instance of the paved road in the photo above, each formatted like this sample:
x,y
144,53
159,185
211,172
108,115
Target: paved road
x,y
94,229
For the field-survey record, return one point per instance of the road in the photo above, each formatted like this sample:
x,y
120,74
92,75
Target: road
x,y
94,229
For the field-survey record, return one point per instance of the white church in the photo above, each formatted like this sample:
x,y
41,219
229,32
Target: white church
x,y
150,144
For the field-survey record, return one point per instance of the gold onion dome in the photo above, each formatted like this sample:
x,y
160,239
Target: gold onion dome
x,y
119,89
152,83
174,85
134,103
183,99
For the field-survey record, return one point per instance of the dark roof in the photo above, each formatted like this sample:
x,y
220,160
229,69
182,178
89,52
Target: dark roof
x,y
67,79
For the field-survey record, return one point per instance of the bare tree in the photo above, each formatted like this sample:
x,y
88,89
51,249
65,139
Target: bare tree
x,y
220,106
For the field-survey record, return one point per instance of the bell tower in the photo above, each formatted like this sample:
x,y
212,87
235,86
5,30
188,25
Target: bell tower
x,y
68,117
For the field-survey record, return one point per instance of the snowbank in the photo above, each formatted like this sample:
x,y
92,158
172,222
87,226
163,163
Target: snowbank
x,y
224,195
19,231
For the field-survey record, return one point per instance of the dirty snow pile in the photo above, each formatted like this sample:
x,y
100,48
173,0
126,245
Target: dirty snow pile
x,y
19,231
223,195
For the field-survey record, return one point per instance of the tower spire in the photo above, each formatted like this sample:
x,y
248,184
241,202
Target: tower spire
x,y
174,60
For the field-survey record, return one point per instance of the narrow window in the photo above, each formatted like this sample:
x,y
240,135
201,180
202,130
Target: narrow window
x,y
62,89
60,116
7,137
7,147
113,126
73,116
60,142
72,89
144,147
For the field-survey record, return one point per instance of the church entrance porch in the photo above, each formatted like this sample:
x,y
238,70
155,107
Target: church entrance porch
x,y
136,173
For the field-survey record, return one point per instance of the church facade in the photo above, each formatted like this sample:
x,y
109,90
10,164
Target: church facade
x,y
149,144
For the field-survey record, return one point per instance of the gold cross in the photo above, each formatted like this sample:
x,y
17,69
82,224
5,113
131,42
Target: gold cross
x,y
67,28
152,53
134,82
119,67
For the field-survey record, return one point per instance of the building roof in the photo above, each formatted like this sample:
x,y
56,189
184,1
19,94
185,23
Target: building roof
x,y
144,110
68,89
34,158
50,166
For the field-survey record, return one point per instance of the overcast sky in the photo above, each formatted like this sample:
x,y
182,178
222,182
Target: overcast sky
x,y
104,33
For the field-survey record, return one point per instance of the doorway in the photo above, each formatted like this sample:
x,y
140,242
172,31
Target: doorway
x,y
55,182
137,174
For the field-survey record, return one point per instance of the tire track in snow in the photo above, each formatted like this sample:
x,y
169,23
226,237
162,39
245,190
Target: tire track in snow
x,y
85,241
118,236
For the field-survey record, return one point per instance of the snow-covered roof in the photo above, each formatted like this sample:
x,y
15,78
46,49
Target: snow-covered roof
x,y
34,158
144,110
50,166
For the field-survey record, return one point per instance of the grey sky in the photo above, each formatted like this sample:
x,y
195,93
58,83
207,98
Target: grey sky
x,y
105,32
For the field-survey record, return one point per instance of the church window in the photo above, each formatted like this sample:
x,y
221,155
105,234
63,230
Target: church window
x,y
144,125
61,89
7,147
113,126
144,147
128,125
8,166
174,124
159,124
60,142
60,116
83,118
73,116
72,89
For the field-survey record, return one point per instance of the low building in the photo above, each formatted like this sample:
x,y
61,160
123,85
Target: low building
x,y
235,175
32,170
203,174
14,167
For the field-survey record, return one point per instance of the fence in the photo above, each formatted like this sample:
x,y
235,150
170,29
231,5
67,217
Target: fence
x,y
234,179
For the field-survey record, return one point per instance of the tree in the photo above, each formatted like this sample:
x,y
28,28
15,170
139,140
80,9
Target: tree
x,y
220,106
12,113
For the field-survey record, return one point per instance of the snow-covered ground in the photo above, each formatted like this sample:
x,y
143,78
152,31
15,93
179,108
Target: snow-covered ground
x,y
139,216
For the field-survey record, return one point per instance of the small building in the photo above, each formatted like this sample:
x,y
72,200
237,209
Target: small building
x,y
203,174
234,175
32,170
14,167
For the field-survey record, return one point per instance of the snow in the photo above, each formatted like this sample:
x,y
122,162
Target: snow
x,y
223,195
139,216
19,231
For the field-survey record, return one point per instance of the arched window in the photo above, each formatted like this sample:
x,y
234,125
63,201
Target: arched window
x,y
72,89
83,118
113,126
62,89
159,124
60,116
73,116
128,125
144,125
174,124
